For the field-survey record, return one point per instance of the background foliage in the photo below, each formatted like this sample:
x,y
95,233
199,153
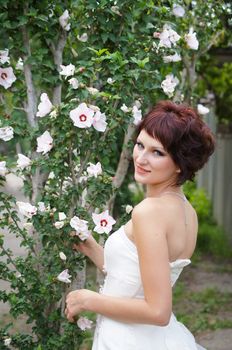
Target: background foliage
x,y
120,46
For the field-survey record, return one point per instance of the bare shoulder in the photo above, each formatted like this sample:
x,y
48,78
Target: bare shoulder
x,y
150,210
147,205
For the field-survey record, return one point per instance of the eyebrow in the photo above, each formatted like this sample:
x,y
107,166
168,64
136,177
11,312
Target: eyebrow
x,y
154,147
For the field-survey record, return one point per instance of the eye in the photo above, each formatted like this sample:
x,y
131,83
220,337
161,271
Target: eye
x,y
158,153
139,144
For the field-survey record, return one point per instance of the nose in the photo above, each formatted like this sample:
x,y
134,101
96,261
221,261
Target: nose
x,y
142,158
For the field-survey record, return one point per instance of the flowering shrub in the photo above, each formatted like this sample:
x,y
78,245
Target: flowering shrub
x,y
74,82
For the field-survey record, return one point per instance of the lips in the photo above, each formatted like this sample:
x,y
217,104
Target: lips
x,y
141,170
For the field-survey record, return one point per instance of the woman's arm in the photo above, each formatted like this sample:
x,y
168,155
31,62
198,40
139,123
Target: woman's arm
x,y
149,230
92,250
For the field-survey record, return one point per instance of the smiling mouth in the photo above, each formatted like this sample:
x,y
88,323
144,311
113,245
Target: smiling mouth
x,y
141,170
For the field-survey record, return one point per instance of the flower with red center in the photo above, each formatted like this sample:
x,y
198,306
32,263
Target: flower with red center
x,y
103,222
82,116
7,77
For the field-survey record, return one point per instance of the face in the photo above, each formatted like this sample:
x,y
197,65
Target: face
x,y
153,165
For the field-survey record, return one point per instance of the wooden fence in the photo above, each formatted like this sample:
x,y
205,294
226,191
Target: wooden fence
x,y
216,178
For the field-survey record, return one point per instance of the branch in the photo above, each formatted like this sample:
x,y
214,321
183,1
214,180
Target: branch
x,y
124,158
57,52
123,164
211,43
31,105
177,96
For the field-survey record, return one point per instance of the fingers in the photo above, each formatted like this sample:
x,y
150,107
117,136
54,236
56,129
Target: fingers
x,y
69,316
69,310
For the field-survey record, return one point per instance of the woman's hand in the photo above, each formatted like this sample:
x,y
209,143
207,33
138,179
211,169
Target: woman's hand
x,y
86,247
77,301
92,250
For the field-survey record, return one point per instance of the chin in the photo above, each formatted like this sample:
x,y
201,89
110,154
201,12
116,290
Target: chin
x,y
140,179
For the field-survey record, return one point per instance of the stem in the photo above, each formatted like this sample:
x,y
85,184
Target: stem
x,y
9,257
21,232
71,164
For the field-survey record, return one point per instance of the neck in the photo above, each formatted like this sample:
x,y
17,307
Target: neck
x,y
156,191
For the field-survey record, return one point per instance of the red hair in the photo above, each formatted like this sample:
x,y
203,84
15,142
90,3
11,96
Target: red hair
x,y
183,134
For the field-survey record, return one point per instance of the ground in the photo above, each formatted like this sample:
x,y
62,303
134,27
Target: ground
x,y
202,296
203,301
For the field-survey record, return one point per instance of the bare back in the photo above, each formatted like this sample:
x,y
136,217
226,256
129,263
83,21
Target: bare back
x,y
182,227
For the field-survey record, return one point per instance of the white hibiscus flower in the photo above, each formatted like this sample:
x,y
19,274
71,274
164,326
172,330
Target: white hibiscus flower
x,y
178,10
7,77
7,341
26,209
82,116
68,70
6,133
99,121
44,143
23,161
74,83
19,64
115,9
81,227
84,323
168,37
137,115
62,256
94,169
3,168
92,90
172,58
168,85
103,222
191,40
59,224
110,81
125,109
45,106
62,216
63,20
41,207
83,37
64,277
129,209
202,109
4,58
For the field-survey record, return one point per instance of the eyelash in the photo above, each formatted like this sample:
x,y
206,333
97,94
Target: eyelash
x,y
139,144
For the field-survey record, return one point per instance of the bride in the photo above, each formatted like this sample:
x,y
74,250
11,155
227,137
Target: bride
x,y
144,258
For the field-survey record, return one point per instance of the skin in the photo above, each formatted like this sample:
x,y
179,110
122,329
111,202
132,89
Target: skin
x,y
165,239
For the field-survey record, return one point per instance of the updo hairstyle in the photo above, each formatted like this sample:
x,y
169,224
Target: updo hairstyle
x,y
183,134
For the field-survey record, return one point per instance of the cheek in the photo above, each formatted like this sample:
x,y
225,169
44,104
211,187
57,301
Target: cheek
x,y
135,153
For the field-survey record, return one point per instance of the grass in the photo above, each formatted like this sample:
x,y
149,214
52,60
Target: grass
x,y
205,310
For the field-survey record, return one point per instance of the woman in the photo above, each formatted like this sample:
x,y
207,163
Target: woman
x,y
144,258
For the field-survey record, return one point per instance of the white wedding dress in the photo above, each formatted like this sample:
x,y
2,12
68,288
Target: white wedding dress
x,y
123,280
